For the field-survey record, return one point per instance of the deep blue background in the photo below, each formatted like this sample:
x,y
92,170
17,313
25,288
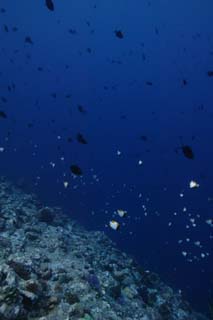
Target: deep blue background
x,y
164,42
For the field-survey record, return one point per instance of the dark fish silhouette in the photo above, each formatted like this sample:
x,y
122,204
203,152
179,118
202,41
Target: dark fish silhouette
x,y
210,73
119,34
6,28
49,5
81,139
81,109
3,114
28,40
76,170
72,31
187,151
144,138
3,99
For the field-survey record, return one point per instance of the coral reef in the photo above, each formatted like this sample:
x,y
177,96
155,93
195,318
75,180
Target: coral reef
x,y
53,269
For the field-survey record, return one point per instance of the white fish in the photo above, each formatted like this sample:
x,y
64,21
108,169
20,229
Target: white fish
x,y
114,225
122,213
66,184
193,184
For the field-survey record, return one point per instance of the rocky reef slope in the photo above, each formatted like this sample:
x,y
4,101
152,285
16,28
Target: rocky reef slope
x,y
52,269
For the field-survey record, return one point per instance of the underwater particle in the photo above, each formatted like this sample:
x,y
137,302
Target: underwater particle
x,y
210,222
114,225
65,184
140,162
3,114
52,164
81,139
184,253
1,149
181,195
69,139
118,152
119,34
187,151
75,169
202,255
28,40
122,213
193,184
197,243
49,5
210,73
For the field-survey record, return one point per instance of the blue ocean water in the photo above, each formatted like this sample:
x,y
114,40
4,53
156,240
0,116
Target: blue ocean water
x,y
124,92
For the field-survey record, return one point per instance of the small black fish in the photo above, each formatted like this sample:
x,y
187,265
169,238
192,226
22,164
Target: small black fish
x,y
149,83
81,109
28,40
81,139
187,151
3,114
184,81
69,139
2,10
49,5
3,99
72,31
119,34
76,170
210,73
6,28
144,138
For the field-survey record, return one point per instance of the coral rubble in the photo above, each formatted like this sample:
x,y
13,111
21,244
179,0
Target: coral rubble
x,y
53,269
